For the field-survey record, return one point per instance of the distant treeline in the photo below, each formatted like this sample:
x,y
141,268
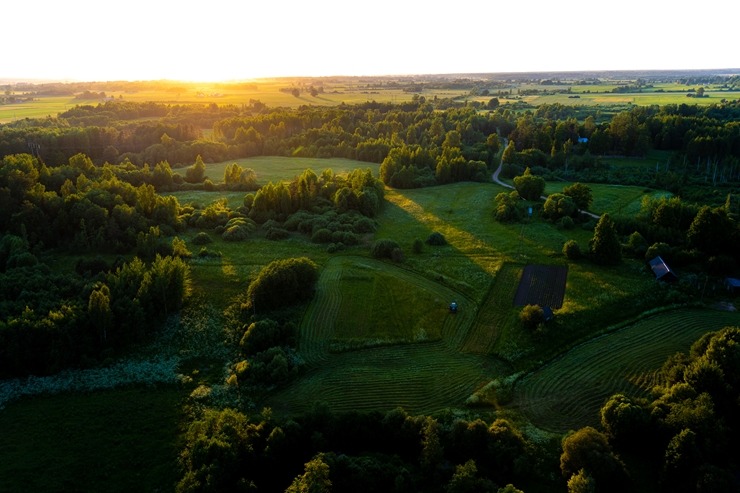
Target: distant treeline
x,y
462,139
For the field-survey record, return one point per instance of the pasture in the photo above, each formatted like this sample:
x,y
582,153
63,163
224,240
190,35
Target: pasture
x,y
281,168
614,199
566,393
378,335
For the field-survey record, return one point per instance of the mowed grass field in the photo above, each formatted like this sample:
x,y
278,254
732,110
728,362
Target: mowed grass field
x,y
568,392
614,199
361,334
281,168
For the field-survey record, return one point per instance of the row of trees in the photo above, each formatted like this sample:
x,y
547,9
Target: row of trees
x,y
681,439
394,452
707,139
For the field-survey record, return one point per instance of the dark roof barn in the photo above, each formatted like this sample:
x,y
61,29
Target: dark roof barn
x,y
661,270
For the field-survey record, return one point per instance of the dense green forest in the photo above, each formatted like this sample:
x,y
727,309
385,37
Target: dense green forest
x,y
98,184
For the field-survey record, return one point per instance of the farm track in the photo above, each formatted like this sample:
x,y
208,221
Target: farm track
x,y
485,331
569,391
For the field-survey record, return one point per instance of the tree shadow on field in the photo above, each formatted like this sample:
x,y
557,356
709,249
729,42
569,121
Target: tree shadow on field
x,y
468,261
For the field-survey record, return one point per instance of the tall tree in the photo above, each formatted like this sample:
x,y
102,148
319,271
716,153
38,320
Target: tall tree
x,y
315,478
529,186
581,195
712,231
605,246
197,172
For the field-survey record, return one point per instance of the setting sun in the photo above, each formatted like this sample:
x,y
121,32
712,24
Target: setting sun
x,y
227,40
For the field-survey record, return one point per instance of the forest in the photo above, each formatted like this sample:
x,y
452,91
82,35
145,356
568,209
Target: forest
x,y
100,253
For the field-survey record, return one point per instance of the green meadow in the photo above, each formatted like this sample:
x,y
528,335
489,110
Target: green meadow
x,y
378,335
281,168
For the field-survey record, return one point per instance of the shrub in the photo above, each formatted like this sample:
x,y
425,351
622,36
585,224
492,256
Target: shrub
x,y
346,237
282,282
335,247
565,223
636,245
364,225
418,246
529,186
557,206
572,250
202,238
436,239
322,235
238,229
383,248
531,316
264,334
277,234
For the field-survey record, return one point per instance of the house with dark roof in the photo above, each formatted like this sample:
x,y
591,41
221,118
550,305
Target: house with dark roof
x,y
732,284
661,270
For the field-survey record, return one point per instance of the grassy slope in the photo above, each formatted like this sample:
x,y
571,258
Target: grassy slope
x,y
120,440
481,262
568,392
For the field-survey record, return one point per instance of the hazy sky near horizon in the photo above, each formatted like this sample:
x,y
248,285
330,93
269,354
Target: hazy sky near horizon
x,y
235,40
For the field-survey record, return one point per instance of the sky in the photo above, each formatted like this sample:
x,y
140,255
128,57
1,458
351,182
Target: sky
x,y
225,40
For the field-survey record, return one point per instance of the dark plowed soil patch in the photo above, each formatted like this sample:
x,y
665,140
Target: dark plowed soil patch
x,y
542,285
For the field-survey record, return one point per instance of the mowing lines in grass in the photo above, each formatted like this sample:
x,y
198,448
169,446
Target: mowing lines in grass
x,y
361,302
494,312
420,376
568,392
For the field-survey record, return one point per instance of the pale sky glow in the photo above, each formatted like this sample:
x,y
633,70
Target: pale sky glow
x,y
236,40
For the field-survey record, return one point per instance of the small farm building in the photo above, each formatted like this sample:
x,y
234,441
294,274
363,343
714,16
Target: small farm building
x,y
661,270
732,285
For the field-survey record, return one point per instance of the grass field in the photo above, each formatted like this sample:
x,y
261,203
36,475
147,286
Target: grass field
x,y
353,90
280,168
118,440
568,392
268,91
391,365
378,335
614,199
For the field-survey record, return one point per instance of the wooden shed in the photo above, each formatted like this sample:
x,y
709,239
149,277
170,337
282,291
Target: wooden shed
x,y
661,270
